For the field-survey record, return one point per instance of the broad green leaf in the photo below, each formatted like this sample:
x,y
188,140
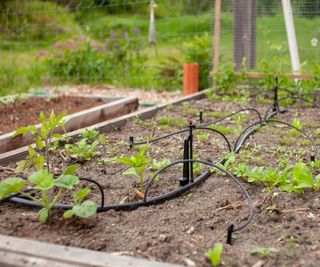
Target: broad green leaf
x,y
25,130
57,136
42,117
31,151
302,175
71,169
10,185
67,181
39,143
81,194
127,161
214,255
43,215
68,214
42,179
39,162
130,171
85,209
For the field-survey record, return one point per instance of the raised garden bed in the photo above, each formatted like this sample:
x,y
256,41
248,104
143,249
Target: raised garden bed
x,y
83,111
183,229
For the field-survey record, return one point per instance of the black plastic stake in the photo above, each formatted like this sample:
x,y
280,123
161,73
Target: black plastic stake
x,y
229,235
275,100
186,172
131,141
201,116
190,138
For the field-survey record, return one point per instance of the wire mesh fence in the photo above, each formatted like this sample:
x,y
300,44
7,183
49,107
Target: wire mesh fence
x,y
101,41
45,43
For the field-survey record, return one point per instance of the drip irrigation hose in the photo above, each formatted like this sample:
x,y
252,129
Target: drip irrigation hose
x,y
17,198
126,206
216,131
233,178
232,114
201,125
246,132
285,98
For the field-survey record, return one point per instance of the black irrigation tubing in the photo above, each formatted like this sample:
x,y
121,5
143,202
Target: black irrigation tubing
x,y
244,191
246,132
197,127
17,198
216,131
127,206
232,114
285,98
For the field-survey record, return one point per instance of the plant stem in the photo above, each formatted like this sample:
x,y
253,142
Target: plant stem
x,y
31,197
56,198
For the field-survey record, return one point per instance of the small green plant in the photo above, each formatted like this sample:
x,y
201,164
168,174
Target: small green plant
x,y
157,165
214,255
202,137
223,129
263,251
82,150
169,121
89,135
43,138
43,182
137,164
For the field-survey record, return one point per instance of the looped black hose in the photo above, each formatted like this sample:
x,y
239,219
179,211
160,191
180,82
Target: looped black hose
x,y
16,197
244,191
232,114
266,116
158,138
243,136
98,185
216,131
201,125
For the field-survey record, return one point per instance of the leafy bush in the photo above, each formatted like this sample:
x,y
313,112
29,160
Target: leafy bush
x,y
35,20
84,60
198,51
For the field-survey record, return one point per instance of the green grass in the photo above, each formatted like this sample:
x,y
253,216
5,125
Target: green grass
x,y
20,70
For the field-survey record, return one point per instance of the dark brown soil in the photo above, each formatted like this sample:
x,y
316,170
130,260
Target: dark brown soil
x,y
25,112
183,229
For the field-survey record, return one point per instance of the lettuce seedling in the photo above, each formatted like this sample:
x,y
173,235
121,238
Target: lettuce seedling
x,y
214,255
137,164
82,150
263,251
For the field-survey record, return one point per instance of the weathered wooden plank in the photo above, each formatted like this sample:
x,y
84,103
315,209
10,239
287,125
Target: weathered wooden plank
x,y
106,126
20,252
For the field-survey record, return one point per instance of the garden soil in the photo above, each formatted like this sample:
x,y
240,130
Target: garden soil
x,y
183,229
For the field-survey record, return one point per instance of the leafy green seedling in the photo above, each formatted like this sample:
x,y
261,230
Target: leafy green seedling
x,y
43,182
202,137
43,138
157,165
263,251
214,255
137,164
82,150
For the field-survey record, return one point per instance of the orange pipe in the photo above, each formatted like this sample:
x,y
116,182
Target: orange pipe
x,y
190,78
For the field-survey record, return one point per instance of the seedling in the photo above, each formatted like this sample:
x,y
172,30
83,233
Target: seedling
x,y
43,138
137,164
82,150
43,182
263,251
214,255
223,129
